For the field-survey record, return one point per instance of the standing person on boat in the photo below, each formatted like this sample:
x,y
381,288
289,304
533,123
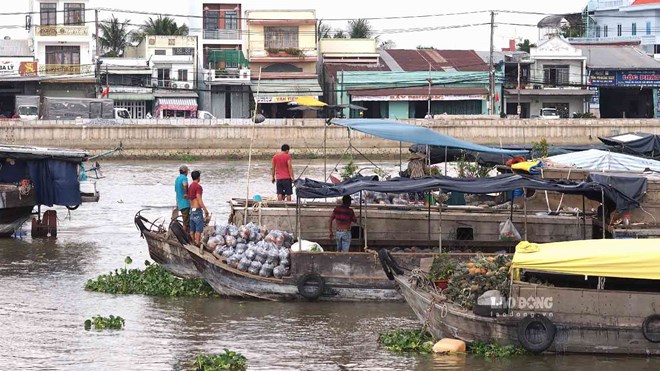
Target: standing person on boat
x,y
416,169
197,205
282,173
343,216
182,202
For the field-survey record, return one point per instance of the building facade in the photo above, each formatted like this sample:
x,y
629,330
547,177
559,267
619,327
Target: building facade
x,y
174,65
557,79
63,47
128,83
283,55
18,74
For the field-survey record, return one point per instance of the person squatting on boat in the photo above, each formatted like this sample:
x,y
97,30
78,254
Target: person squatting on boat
x,y
282,173
182,202
197,206
343,216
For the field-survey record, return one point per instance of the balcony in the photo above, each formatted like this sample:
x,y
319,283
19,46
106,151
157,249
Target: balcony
x,y
283,55
62,30
228,76
64,69
222,34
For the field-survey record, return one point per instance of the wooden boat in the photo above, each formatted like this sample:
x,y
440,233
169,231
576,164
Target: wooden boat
x,y
620,320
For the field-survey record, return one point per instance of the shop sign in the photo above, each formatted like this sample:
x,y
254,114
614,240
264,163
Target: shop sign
x,y
625,78
16,67
411,98
657,103
279,99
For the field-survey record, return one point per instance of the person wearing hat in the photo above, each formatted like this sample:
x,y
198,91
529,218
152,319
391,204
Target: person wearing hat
x,y
182,201
416,169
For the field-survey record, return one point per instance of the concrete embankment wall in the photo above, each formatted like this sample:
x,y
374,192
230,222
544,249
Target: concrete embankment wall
x,y
231,139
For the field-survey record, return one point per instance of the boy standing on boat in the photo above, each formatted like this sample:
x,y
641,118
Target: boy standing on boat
x,y
282,174
182,202
196,216
343,216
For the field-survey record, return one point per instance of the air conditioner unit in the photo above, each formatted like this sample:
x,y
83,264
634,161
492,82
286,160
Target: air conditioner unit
x,y
154,84
187,86
174,86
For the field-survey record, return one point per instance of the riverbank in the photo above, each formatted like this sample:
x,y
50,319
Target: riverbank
x,y
230,139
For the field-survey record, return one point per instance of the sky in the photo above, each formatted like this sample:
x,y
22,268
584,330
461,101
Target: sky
x,y
337,12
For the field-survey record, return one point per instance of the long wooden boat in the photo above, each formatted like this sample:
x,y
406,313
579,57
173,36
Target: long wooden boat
x,y
575,320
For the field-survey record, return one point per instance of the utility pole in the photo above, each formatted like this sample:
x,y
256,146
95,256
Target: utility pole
x,y
491,70
519,109
428,108
97,63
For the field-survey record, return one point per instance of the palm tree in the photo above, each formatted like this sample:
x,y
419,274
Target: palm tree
x,y
359,29
114,36
340,34
323,30
160,26
525,46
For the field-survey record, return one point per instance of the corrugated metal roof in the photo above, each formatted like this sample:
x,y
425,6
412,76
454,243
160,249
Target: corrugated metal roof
x,y
617,58
280,87
439,60
15,48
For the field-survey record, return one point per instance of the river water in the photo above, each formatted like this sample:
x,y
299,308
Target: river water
x,y
43,304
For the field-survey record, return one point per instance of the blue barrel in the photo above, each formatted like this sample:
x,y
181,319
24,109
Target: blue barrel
x,y
517,192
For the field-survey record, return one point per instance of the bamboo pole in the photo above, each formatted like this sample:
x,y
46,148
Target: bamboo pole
x,y
602,193
525,210
366,243
440,220
584,219
254,125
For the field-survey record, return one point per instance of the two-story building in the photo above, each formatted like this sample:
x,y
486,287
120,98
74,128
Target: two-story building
x,y
224,81
557,79
129,84
173,64
283,56
18,73
63,47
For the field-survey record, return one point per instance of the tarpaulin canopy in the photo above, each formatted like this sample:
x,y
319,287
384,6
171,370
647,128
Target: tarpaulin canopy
x,y
636,143
632,185
594,159
401,132
177,104
503,183
308,101
638,258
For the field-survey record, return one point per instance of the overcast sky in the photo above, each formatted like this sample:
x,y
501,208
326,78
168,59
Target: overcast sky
x,y
476,37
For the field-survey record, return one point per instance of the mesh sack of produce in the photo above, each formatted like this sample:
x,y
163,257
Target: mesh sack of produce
x,y
213,243
285,263
241,247
244,264
255,267
231,241
471,279
284,254
266,271
220,230
228,252
273,255
232,230
278,271
232,261
243,233
251,252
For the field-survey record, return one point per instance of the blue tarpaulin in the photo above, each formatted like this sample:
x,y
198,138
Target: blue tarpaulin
x,y
401,132
55,182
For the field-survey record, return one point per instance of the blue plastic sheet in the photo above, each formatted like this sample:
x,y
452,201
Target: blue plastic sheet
x,y
55,182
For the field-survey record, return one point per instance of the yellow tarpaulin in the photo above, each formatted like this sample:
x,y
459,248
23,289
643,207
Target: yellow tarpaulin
x,y
309,101
528,166
634,258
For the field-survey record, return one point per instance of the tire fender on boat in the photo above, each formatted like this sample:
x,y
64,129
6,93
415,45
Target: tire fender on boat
x,y
544,337
311,286
646,330
388,263
179,233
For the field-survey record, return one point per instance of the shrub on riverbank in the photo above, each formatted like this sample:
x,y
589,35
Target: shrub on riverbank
x,y
228,360
105,323
415,341
154,280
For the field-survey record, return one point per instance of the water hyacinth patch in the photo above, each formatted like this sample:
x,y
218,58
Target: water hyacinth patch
x,y
154,280
104,323
229,360
414,341
494,350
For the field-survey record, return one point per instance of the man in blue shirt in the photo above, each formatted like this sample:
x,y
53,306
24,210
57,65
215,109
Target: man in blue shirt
x,y
182,202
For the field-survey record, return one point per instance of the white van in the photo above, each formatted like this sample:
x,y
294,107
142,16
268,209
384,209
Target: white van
x,y
549,114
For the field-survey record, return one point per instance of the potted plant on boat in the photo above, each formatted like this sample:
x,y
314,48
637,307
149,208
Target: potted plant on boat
x,y
441,270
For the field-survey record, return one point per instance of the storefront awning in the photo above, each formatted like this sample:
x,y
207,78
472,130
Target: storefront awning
x,y
177,104
550,92
419,94
129,96
285,90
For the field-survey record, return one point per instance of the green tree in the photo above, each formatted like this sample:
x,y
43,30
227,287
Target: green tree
x,y
360,29
525,46
114,36
422,47
571,31
323,30
160,26
340,34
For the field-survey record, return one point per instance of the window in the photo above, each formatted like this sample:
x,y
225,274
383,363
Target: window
x,y
555,75
231,20
648,27
74,13
159,52
48,14
183,75
211,20
605,31
62,55
164,77
281,37
634,29
618,30
598,31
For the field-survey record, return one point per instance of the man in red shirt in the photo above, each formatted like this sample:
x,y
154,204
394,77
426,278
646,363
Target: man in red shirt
x,y
196,205
343,216
282,173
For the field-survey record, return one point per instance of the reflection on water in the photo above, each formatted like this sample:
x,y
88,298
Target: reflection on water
x,y
43,304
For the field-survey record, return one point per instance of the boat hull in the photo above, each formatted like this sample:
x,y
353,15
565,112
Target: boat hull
x,y
171,255
574,334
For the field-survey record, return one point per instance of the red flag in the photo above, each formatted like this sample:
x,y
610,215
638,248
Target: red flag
x,y
105,91
497,97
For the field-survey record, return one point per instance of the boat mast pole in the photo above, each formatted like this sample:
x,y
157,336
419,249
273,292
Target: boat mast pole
x,y
366,244
428,193
298,229
440,220
602,193
584,219
254,126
